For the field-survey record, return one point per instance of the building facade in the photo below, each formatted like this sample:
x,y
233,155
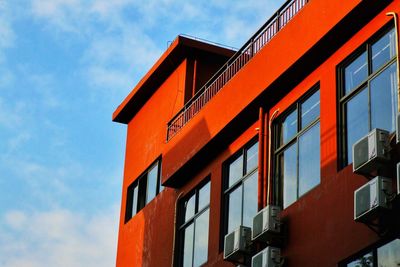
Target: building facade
x,y
215,135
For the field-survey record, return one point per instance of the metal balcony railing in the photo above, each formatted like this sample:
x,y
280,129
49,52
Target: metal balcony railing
x,y
234,65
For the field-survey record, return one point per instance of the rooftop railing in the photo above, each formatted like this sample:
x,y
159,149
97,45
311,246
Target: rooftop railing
x,y
234,65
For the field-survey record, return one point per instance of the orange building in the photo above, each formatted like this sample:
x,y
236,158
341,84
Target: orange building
x,y
215,135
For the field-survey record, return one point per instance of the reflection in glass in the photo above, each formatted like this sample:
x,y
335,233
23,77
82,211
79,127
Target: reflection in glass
x,y
310,110
289,127
189,207
201,239
252,158
309,159
235,209
250,194
384,99
134,200
204,196
152,183
383,50
356,72
235,170
389,254
289,175
188,247
364,261
357,120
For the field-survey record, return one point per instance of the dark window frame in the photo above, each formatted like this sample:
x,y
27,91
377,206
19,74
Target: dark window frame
x,y
226,190
343,98
141,183
373,248
182,224
279,148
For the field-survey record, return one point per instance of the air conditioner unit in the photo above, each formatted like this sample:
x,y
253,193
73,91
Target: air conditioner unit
x,y
269,257
370,153
267,224
372,198
237,244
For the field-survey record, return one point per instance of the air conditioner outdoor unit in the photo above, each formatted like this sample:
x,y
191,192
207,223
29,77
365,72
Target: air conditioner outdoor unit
x,y
267,224
372,198
370,153
237,244
269,257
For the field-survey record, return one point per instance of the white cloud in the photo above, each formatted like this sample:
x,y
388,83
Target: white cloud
x,y
59,238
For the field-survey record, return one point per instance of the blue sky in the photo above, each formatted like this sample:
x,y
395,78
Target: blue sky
x,y
65,65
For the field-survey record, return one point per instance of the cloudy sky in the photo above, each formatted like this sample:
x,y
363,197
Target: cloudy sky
x,y
65,65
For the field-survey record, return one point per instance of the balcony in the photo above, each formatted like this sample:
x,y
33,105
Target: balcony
x,y
234,65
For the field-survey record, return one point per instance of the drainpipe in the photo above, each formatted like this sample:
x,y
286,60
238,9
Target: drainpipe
x,y
174,236
394,15
261,152
269,192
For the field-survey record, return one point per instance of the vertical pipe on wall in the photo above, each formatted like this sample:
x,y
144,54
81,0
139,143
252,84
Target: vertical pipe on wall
x,y
266,157
394,15
269,192
261,150
174,235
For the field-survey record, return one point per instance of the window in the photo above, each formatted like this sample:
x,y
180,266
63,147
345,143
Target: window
x,y
241,188
143,190
193,227
297,149
387,255
368,97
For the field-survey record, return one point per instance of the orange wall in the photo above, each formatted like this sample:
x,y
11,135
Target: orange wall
x,y
145,141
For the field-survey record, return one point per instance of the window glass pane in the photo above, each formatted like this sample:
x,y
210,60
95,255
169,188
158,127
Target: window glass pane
x,y
235,170
289,127
310,110
204,196
134,200
384,99
309,159
357,120
356,72
152,183
189,207
389,254
159,178
288,172
188,246
383,50
142,193
201,239
250,194
365,261
252,157
235,209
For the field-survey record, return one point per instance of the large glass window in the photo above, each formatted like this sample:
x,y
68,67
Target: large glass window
x,y
241,188
368,96
387,255
193,227
143,190
297,149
